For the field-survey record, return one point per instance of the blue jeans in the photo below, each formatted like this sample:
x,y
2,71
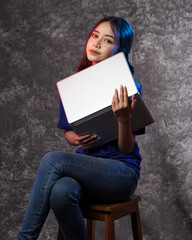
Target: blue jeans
x,y
63,181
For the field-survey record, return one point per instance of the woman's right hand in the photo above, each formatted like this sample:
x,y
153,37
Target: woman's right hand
x,y
86,141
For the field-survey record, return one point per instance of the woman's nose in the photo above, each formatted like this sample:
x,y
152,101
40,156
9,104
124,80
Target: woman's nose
x,y
97,43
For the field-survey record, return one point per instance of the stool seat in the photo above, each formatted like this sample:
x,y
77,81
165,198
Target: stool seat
x,y
108,213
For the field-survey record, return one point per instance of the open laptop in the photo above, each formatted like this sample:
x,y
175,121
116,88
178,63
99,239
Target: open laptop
x,y
87,95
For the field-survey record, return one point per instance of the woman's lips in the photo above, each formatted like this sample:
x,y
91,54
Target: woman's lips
x,y
94,52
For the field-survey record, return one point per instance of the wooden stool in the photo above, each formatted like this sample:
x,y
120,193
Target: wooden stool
x,y
109,213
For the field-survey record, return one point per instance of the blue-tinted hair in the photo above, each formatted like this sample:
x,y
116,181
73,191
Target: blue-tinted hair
x,y
123,38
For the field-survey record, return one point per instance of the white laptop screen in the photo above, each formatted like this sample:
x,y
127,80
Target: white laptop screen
x,y
92,89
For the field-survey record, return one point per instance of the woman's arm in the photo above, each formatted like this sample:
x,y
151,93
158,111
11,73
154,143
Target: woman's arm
x,y
122,110
71,137
84,141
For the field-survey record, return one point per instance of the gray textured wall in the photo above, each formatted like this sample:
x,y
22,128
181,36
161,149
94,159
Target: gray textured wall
x,y
40,43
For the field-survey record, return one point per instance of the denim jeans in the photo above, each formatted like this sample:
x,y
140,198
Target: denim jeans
x,y
64,180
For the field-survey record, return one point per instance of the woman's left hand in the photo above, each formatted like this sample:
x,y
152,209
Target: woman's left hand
x,y
121,106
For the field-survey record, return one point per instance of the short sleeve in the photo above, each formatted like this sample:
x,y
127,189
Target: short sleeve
x,y
139,88
63,123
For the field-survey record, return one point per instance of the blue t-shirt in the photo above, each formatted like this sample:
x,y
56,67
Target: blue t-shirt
x,y
109,150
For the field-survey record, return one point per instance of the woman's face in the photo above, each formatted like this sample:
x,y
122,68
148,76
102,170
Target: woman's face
x,y
101,43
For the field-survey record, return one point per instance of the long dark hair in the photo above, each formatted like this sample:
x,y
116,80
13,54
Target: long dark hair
x,y
123,38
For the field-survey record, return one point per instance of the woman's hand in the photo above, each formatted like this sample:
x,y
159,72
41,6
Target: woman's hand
x,y
122,110
121,106
86,141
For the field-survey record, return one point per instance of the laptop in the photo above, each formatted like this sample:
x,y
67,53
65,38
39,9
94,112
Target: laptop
x,y
87,95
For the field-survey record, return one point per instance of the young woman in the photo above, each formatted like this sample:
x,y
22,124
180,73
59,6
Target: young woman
x,y
109,173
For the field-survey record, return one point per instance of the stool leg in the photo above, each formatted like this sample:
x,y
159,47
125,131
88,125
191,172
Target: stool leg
x,y
109,228
60,235
90,229
136,225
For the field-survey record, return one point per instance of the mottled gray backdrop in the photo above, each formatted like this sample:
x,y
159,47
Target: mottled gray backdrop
x,y
40,43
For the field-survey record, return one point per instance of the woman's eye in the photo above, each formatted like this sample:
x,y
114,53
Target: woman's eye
x,y
94,35
108,41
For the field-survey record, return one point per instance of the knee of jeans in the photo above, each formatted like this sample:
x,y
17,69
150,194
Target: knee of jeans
x,y
65,192
49,158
